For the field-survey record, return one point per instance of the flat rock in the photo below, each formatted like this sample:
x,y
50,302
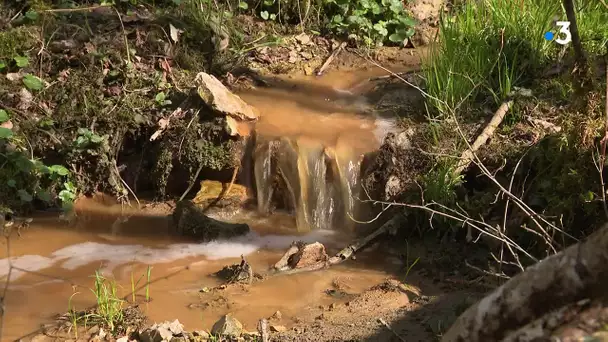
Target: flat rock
x,y
221,100
214,193
227,326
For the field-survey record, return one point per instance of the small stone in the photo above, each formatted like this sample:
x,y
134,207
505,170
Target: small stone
x,y
303,38
227,326
277,328
93,330
150,335
164,332
308,70
123,339
201,333
176,327
277,316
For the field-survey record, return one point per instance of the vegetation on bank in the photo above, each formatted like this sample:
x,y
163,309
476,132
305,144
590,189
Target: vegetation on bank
x,y
547,152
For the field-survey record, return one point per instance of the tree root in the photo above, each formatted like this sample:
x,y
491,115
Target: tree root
x,y
576,273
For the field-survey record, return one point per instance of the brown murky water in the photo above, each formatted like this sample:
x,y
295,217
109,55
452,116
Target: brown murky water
x,y
64,259
320,129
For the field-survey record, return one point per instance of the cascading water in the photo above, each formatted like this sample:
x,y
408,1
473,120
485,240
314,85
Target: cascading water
x,y
307,154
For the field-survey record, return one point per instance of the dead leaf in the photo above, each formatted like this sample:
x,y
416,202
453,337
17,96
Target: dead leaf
x,y
7,124
89,47
163,123
63,75
25,99
174,33
13,76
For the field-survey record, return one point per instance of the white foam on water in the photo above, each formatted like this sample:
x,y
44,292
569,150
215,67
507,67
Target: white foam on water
x,y
78,255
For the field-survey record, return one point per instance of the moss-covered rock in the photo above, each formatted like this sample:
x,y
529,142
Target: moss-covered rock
x,y
190,220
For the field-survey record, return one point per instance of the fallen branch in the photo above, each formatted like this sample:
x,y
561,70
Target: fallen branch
x,y
331,58
578,272
468,155
395,75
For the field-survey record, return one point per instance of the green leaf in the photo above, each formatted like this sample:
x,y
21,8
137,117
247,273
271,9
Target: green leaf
x,y
81,141
407,21
21,61
60,170
32,82
24,165
243,5
12,183
273,16
160,97
5,133
69,186
31,15
83,131
264,15
96,139
44,195
381,29
2,65
24,195
66,196
4,117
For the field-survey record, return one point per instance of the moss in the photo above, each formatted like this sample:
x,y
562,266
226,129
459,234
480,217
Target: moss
x,y
17,41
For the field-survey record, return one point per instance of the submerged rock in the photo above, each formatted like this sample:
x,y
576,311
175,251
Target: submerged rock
x,y
217,194
190,220
227,326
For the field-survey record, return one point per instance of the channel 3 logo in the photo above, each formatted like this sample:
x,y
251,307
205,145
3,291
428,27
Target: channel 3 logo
x,y
564,32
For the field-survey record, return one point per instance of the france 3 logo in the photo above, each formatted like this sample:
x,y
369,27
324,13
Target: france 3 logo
x,y
564,36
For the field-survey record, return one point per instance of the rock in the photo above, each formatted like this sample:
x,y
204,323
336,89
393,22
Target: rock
x,y
309,255
300,255
308,70
237,128
277,316
190,220
227,326
277,328
201,333
221,100
176,327
303,39
42,338
123,339
214,193
150,335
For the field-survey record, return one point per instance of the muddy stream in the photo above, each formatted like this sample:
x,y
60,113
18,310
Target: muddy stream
x,y
321,127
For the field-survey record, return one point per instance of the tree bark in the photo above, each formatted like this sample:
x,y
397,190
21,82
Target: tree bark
x,y
576,39
578,272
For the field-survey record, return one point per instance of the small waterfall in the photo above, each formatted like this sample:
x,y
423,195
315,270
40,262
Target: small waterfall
x,y
320,183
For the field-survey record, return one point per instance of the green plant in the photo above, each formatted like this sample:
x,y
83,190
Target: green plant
x,y
148,276
27,177
109,305
486,49
74,317
373,21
